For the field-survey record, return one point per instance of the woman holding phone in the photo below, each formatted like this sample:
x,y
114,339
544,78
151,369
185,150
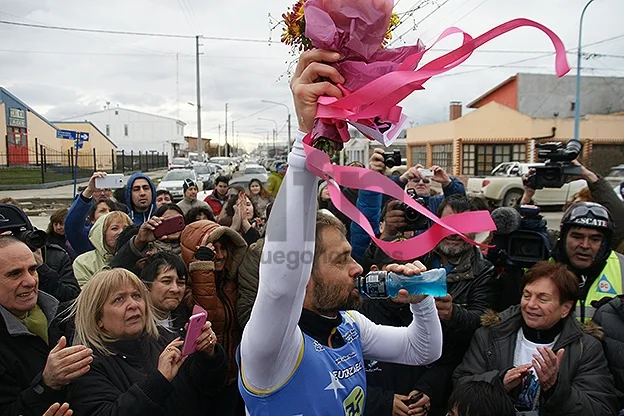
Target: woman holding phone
x,y
213,254
138,367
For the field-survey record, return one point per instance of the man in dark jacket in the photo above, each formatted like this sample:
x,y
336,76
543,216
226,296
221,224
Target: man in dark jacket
x,y
471,287
35,362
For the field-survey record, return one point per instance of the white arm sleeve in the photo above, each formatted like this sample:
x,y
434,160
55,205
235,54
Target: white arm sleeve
x,y
272,340
418,344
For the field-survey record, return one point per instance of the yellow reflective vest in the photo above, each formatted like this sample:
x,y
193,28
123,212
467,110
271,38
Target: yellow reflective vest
x,y
610,283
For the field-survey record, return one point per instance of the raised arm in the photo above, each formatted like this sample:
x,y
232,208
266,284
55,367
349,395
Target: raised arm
x,y
272,341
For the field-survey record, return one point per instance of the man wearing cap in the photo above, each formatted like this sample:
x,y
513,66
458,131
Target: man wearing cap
x,y
36,362
585,246
190,197
275,178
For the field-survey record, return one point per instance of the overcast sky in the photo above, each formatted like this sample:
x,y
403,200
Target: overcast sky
x,y
63,74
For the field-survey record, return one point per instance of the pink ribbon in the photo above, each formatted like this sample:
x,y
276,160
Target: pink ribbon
x,y
380,98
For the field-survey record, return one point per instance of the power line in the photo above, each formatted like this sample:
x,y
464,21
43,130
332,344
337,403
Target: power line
x,y
120,32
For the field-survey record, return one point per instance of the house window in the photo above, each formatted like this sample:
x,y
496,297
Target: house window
x,y
108,130
126,130
443,156
116,112
419,155
480,159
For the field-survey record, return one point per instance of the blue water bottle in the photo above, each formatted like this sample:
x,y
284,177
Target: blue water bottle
x,y
383,284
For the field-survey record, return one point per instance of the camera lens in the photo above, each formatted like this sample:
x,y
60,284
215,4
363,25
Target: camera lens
x,y
34,238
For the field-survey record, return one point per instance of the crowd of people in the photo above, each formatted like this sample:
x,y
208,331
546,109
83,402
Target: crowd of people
x,y
95,311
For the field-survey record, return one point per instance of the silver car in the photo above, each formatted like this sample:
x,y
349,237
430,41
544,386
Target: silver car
x,y
174,179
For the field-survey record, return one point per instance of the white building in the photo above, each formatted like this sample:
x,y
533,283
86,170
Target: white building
x,y
137,131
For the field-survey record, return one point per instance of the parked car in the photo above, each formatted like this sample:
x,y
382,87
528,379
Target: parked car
x,y
205,174
226,163
254,169
616,175
173,180
180,163
504,187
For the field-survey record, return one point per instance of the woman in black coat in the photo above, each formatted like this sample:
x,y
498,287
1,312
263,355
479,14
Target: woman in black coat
x,y
138,368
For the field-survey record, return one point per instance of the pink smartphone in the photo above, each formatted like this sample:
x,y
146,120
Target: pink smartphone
x,y
196,323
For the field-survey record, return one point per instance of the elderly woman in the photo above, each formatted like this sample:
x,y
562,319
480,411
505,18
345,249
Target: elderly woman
x,y
213,285
137,367
539,354
165,276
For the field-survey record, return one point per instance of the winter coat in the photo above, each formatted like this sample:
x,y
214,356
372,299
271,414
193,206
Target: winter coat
x,y
128,383
261,204
138,217
91,262
584,386
23,356
215,203
611,318
371,203
56,275
471,298
186,204
274,181
215,292
76,230
248,278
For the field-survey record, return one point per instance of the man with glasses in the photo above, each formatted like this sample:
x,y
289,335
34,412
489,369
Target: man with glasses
x,y
585,246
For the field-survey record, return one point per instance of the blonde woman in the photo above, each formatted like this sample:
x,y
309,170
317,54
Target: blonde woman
x,y
137,367
103,236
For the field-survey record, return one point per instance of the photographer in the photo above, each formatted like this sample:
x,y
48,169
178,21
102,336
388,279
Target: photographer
x,y
370,203
601,193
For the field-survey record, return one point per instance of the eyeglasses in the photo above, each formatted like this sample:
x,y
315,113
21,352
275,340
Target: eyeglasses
x,y
423,180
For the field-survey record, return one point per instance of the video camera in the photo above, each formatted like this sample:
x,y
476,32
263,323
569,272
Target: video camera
x,y
13,219
558,164
415,220
521,238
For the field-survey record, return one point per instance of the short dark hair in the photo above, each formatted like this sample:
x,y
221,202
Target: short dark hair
x,y
565,281
163,192
111,205
164,208
481,398
323,221
161,261
458,203
223,179
125,236
191,215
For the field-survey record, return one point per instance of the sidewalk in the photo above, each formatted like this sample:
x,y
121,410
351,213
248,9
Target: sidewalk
x,y
60,192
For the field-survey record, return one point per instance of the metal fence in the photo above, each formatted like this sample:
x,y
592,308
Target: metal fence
x,y
26,167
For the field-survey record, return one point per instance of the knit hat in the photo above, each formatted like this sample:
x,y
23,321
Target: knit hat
x,y
322,186
187,184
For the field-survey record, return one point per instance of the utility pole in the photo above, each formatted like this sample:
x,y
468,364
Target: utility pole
x,y
234,135
227,154
200,147
579,54
288,111
219,146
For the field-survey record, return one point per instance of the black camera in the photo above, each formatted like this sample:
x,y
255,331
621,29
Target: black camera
x,y
392,159
415,220
34,239
558,164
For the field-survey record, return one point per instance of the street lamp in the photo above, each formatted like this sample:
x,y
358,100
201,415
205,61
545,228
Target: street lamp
x,y
274,132
288,111
577,102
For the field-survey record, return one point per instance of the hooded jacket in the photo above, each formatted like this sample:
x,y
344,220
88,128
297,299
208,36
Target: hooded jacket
x,y
215,292
91,262
136,216
584,386
248,278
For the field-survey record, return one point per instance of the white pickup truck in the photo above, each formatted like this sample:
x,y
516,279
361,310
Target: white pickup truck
x,y
504,187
